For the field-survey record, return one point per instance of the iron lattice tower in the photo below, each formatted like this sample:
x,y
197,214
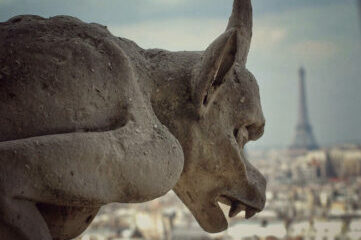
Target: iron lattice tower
x,y
304,138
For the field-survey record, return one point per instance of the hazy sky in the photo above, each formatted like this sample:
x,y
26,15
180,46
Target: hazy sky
x,y
322,35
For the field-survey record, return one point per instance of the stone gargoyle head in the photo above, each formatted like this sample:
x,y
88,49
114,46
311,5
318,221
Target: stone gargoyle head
x,y
227,114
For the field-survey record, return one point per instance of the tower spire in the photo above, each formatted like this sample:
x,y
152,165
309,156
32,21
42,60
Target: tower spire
x,y
304,138
302,108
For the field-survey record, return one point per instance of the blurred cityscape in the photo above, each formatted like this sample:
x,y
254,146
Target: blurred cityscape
x,y
311,195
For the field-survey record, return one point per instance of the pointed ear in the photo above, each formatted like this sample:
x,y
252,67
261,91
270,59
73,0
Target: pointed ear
x,y
216,62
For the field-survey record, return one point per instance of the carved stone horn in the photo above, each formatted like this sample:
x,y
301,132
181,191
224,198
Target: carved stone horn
x,y
242,17
218,59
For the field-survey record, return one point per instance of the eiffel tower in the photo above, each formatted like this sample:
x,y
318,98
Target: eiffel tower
x,y
304,138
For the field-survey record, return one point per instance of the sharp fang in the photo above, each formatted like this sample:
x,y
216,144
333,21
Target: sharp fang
x,y
250,213
235,209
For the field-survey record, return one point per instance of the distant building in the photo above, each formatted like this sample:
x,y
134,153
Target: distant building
x,y
311,166
330,171
335,163
346,161
304,138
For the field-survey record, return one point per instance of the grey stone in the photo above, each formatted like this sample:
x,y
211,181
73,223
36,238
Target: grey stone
x,y
87,119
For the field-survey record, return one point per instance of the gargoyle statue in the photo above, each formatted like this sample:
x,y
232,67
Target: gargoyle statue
x,y
88,119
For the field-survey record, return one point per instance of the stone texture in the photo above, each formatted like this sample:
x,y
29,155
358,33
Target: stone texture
x,y
87,119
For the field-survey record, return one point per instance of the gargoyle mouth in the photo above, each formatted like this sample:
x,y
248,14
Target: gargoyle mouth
x,y
237,206
208,213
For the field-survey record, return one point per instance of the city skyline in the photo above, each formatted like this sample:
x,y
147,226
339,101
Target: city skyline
x,y
323,36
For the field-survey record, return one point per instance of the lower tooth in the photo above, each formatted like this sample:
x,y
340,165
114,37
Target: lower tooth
x,y
250,213
235,209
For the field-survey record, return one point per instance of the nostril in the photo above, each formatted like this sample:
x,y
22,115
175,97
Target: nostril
x,y
235,132
255,131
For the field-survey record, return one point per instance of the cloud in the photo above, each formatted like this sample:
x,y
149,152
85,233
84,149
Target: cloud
x,y
312,49
3,2
192,33
168,2
268,37
173,34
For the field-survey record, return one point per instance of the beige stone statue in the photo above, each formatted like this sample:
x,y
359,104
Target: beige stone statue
x,y
88,119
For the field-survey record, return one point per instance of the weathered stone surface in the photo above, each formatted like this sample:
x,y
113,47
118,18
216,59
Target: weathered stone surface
x,y
87,119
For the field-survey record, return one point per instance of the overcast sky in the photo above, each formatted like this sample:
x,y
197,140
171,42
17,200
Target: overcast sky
x,y
322,35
